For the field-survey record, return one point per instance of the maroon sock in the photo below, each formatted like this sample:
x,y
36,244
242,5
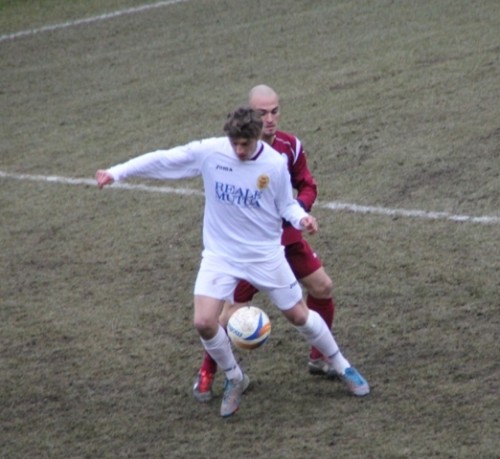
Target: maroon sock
x,y
326,309
209,365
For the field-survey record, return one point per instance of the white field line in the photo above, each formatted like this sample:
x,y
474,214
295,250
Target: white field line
x,y
102,17
92,182
334,205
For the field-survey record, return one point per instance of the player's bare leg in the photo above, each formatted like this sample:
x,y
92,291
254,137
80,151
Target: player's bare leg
x,y
319,298
315,331
216,343
202,387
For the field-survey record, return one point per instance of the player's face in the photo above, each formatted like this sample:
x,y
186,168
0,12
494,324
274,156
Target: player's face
x,y
269,109
244,148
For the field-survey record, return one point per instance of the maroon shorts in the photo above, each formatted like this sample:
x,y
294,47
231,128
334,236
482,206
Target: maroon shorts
x,y
301,259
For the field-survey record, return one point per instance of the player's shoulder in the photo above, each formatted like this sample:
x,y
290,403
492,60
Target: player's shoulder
x,y
269,154
289,144
287,141
284,136
209,142
205,148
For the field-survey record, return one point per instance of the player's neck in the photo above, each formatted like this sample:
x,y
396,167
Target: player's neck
x,y
269,139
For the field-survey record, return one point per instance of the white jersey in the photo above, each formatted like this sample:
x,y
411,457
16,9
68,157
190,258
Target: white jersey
x,y
245,201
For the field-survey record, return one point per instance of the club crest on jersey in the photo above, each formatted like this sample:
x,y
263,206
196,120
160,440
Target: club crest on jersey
x,y
263,181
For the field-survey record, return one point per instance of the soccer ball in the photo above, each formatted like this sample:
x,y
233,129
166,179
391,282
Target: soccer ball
x,y
249,327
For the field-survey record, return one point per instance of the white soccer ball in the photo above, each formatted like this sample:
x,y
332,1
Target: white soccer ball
x,y
249,327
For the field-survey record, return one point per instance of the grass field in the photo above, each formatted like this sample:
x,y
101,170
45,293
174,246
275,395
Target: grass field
x,y
397,103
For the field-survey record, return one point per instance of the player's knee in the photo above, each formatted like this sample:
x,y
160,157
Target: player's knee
x,y
322,288
297,315
206,328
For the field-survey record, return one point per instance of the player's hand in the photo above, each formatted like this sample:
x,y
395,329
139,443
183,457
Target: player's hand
x,y
103,178
309,224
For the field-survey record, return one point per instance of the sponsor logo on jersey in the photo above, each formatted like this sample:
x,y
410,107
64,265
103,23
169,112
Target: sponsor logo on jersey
x,y
224,168
231,194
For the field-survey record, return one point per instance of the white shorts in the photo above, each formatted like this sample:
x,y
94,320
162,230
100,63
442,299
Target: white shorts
x,y
217,278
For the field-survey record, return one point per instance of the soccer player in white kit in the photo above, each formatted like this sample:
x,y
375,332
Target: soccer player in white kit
x,y
247,194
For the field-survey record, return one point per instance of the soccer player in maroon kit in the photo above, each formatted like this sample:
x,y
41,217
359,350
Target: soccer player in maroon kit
x,y
305,264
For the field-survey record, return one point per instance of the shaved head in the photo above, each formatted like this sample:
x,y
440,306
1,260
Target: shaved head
x,y
265,101
262,91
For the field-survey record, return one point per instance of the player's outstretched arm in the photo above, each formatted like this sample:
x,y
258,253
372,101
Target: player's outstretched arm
x,y
309,224
103,178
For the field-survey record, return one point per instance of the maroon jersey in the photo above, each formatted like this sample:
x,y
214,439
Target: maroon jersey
x,y
302,179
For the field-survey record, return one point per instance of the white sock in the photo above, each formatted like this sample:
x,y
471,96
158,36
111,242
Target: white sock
x,y
318,335
339,363
219,347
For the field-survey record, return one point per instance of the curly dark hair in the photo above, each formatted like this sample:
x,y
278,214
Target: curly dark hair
x,y
243,123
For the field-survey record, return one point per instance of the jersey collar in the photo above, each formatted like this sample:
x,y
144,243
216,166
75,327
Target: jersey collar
x,y
259,150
